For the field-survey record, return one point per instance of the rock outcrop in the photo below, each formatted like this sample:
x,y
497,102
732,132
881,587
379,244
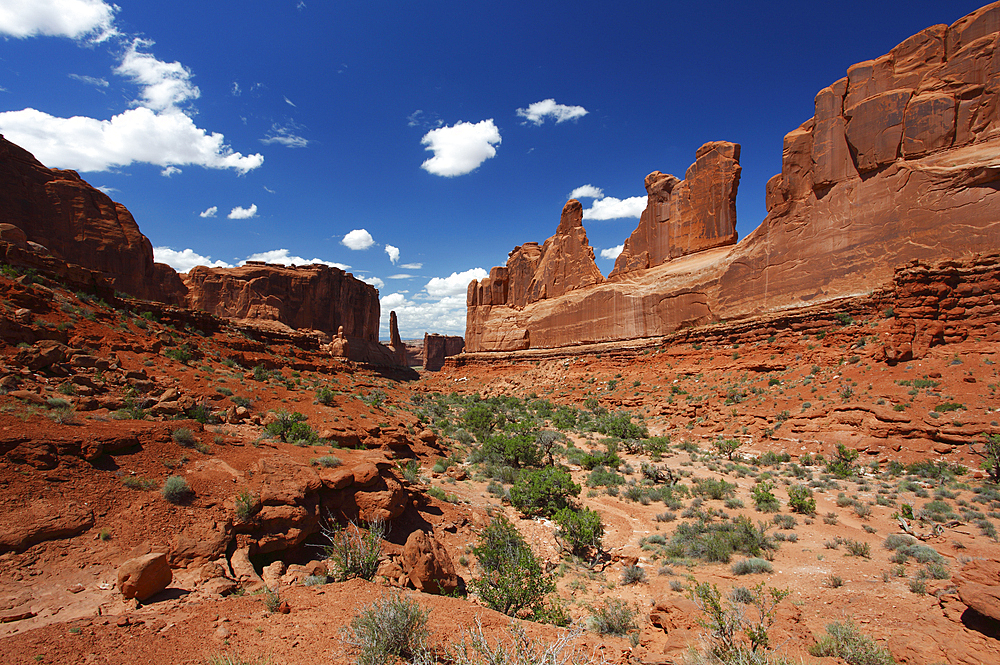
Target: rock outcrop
x,y
428,565
439,347
144,576
396,342
686,216
80,224
898,163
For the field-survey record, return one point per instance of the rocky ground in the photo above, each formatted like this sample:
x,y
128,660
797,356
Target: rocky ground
x,y
104,401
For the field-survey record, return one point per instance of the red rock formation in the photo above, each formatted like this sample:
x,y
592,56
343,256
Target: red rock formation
x,y
439,347
564,264
316,296
686,216
80,224
898,163
396,342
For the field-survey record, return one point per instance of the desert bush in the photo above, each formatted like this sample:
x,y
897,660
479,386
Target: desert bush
x,y
614,617
515,648
511,576
326,395
800,500
764,498
633,575
752,566
581,530
272,601
230,659
390,628
247,505
842,465
292,428
713,489
517,451
353,552
844,640
138,483
726,621
858,548
543,491
183,436
922,554
326,461
176,490
717,541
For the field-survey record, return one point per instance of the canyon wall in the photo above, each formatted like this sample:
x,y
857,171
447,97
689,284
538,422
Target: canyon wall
x,y
318,297
80,225
899,162
438,347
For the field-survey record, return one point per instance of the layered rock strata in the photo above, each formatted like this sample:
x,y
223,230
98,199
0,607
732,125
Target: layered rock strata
x,y
439,347
80,224
898,163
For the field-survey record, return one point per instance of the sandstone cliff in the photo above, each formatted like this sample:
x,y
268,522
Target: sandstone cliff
x,y
316,296
438,347
898,163
80,225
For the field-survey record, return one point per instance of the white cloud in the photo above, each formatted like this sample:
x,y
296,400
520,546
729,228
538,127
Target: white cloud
x,y
611,208
184,260
445,316
301,5
393,253
236,89
169,171
289,102
461,148
107,190
612,252
358,239
211,212
136,135
548,108
285,136
455,284
587,192
240,212
412,266
374,281
90,80
76,19
282,257
164,85
402,275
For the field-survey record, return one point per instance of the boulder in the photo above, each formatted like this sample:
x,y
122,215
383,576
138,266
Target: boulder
x,y
978,586
144,576
428,564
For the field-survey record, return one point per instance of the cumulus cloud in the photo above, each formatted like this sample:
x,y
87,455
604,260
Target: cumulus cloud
x,y
612,252
412,266
186,259
285,136
76,19
240,212
163,85
548,108
393,253
283,257
611,208
587,192
374,281
90,80
211,212
459,149
455,284
136,135
358,239
169,171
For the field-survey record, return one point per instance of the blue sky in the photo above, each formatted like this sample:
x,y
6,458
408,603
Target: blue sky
x,y
416,142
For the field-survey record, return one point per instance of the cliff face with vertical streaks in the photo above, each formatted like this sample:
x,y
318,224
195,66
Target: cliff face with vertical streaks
x,y
899,162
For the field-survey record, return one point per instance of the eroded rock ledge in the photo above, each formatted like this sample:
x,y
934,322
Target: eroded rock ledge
x,y
897,164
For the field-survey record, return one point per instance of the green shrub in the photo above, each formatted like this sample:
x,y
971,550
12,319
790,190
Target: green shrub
x,y
581,530
718,541
247,505
857,548
291,428
326,395
800,500
614,617
183,436
543,491
511,576
713,489
516,451
353,552
176,490
844,640
391,628
326,461
725,622
764,498
138,483
842,465
633,575
752,566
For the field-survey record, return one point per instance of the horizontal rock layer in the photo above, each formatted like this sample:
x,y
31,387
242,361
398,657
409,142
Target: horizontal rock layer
x,y
898,163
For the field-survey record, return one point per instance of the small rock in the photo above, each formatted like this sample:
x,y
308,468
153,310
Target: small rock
x,y
144,576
